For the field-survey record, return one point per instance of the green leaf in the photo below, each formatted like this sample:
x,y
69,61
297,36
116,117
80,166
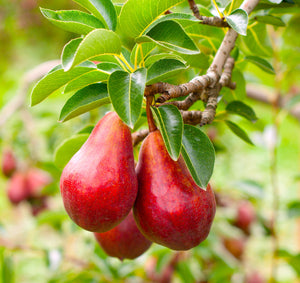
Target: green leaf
x,y
170,35
57,79
126,91
238,78
164,69
69,51
136,16
294,209
101,74
261,63
53,218
104,10
257,41
97,42
271,20
86,130
170,124
73,21
238,20
199,155
238,131
144,51
198,31
240,108
156,57
172,16
67,149
251,188
84,100
196,60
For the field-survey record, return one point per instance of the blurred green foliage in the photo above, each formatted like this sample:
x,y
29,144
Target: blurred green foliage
x,y
50,248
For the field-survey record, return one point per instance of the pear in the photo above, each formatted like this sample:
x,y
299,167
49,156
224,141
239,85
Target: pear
x,y
9,163
245,216
17,190
99,184
170,208
124,241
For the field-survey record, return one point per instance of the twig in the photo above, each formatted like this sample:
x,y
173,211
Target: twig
x,y
212,21
137,137
20,99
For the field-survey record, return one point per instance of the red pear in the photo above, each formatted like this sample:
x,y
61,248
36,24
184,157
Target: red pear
x,y
255,277
37,180
124,241
99,184
9,163
245,216
17,190
170,209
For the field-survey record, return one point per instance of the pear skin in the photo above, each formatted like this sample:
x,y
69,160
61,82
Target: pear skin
x,y
170,208
99,184
124,241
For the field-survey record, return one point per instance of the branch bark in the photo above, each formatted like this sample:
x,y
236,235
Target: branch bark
x,y
20,99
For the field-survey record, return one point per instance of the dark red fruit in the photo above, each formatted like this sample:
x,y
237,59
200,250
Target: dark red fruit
x,y
170,209
9,163
245,216
17,190
124,241
99,184
235,246
38,204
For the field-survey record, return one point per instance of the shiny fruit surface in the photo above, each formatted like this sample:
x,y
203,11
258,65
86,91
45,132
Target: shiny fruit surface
x,y
99,184
170,209
124,241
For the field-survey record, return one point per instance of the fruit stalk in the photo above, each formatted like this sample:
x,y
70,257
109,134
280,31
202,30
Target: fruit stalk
x,y
151,124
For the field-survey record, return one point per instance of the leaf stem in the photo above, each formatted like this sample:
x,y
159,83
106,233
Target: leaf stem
x,y
121,63
126,63
231,7
136,56
217,8
151,124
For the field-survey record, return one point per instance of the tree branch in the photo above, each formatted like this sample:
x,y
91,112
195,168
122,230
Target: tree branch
x,y
212,21
20,99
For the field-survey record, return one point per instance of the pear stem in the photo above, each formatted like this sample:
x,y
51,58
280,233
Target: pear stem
x,y
151,124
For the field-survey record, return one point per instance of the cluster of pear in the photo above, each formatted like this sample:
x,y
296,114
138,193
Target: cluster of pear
x,y
130,208
25,184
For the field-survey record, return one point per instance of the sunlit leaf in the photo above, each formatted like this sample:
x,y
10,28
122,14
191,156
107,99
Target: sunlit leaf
x,y
199,155
170,124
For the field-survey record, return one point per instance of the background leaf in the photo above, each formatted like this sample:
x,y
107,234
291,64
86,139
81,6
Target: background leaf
x,y
271,20
67,149
57,79
238,20
97,42
84,100
238,131
240,108
199,155
102,9
261,63
73,21
164,69
126,91
170,124
136,16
